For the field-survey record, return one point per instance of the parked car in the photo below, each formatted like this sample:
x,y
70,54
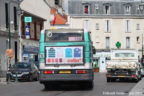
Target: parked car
x,y
23,71
142,70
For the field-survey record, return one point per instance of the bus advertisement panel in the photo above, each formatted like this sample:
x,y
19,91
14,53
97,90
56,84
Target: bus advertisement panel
x,y
64,55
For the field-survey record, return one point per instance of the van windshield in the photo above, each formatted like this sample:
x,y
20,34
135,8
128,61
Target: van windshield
x,y
124,55
63,37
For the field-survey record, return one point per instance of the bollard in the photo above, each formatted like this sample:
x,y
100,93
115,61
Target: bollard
x,y
16,80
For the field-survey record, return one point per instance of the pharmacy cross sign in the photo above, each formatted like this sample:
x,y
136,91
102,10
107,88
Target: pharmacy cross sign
x,y
118,44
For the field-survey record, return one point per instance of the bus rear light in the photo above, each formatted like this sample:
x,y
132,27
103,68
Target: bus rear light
x,y
108,75
81,71
133,76
48,72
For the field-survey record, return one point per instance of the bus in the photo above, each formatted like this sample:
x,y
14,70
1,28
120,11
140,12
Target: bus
x,y
66,56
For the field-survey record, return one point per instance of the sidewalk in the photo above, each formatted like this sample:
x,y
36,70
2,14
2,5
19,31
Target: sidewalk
x,y
3,81
138,90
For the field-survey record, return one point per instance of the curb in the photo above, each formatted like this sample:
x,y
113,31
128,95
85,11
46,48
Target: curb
x,y
138,90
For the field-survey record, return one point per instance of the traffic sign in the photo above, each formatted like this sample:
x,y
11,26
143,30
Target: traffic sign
x,y
27,19
10,53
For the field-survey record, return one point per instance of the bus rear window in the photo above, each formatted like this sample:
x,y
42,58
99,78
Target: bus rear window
x,y
63,37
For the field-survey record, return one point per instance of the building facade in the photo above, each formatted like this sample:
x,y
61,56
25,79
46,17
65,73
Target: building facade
x,y
111,21
30,36
8,23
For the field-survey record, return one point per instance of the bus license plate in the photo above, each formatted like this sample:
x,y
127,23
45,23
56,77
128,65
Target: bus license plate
x,y
121,76
64,72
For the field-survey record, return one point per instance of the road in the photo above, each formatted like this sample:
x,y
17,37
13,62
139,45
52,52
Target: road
x,y
101,88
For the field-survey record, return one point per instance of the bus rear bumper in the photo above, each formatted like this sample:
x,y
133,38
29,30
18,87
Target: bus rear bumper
x,y
88,76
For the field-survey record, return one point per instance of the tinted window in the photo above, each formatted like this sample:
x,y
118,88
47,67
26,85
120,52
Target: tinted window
x,y
21,65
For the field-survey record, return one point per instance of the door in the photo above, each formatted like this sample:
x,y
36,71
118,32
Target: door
x,y
102,63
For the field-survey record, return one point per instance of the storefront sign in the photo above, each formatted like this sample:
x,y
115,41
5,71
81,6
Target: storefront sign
x,y
31,49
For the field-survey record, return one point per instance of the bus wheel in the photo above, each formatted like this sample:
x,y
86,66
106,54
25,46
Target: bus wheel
x,y
108,80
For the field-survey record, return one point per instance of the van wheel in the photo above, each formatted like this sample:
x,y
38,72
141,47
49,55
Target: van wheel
x,y
30,79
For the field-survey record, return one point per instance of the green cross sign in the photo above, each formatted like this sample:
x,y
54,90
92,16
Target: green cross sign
x,y
28,19
118,44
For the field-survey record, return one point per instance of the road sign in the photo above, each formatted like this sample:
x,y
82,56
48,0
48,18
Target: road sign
x,y
27,32
28,19
10,53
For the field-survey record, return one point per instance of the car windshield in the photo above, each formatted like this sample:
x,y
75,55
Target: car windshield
x,y
21,65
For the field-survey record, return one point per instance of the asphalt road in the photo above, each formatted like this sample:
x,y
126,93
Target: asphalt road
x,y
101,88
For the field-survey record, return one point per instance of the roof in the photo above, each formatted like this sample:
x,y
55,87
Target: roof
x,y
26,13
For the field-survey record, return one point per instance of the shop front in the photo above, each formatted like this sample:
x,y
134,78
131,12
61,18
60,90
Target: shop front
x,y
100,59
30,54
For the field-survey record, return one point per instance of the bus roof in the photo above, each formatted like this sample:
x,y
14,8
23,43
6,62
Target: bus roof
x,y
65,30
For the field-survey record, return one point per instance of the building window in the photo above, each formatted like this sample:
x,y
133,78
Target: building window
x,y
137,26
107,42
97,26
107,9
137,39
86,9
141,7
107,26
127,42
127,9
6,15
127,26
96,8
56,2
15,18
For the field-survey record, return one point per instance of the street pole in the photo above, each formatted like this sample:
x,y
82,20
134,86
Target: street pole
x,y
9,41
142,45
142,52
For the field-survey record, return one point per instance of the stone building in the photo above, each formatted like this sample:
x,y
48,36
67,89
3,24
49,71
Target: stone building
x,y
8,23
111,22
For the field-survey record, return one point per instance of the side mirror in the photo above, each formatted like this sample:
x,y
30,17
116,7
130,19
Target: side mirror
x,y
93,50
